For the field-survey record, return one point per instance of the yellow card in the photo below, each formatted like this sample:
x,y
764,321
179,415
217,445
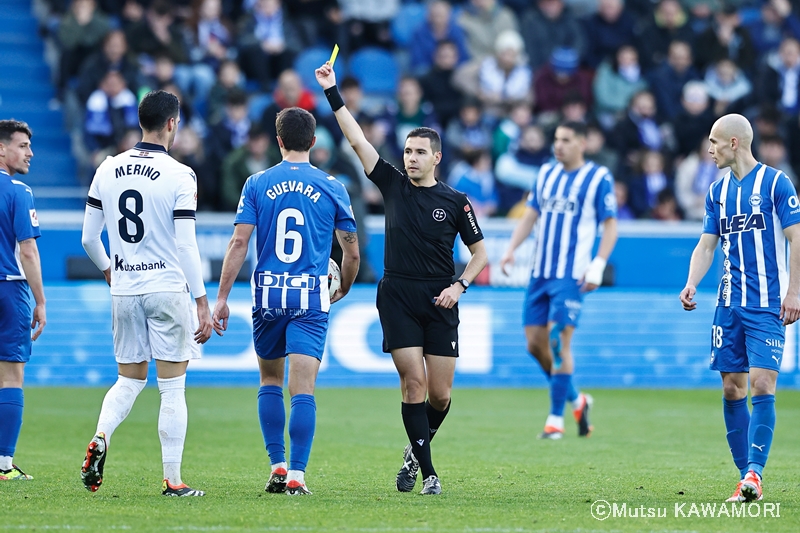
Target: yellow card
x,y
335,53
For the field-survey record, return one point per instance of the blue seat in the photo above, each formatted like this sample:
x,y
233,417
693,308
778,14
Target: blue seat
x,y
405,23
310,60
257,104
376,70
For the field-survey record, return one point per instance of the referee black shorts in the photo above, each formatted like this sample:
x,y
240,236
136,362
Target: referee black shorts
x,y
409,317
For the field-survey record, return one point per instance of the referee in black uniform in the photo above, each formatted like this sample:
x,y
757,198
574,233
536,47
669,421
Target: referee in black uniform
x,y
417,297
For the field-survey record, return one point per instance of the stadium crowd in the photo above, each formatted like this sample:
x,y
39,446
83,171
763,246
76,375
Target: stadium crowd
x,y
494,77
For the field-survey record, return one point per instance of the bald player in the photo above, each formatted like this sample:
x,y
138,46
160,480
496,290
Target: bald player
x,y
754,211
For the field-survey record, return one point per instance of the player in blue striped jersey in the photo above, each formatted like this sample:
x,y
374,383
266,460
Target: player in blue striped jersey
x,y
753,210
20,275
570,199
296,208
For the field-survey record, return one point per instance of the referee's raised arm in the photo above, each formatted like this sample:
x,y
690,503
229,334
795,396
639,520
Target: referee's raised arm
x,y
352,131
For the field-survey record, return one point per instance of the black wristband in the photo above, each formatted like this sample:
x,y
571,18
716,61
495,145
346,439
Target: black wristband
x,y
334,98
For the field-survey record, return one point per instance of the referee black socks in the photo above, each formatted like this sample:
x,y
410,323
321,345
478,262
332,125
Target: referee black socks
x,y
415,419
435,418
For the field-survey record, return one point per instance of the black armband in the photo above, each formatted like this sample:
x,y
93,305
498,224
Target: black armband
x,y
334,98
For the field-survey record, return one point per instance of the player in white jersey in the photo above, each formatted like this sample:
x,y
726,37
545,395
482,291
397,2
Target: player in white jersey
x,y
754,210
147,201
570,198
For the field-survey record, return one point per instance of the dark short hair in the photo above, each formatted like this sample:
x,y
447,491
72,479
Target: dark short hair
x,y
9,127
295,127
236,96
256,130
349,82
771,139
156,108
578,128
427,133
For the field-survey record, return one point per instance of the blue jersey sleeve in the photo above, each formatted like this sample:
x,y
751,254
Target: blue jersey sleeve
x,y
345,220
246,212
786,203
605,203
710,224
26,223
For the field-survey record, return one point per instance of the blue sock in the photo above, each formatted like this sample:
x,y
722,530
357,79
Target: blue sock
x,y
559,385
302,422
762,425
737,422
272,415
11,404
572,392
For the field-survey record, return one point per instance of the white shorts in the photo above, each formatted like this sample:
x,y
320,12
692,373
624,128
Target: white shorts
x,y
158,325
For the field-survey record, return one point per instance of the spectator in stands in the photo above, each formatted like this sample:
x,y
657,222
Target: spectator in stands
x,y
368,23
353,97
211,42
693,177
574,109
780,83
483,21
615,82
126,142
112,56
558,78
376,136
162,73
597,151
80,33
728,87
695,120
268,43
509,129
792,142
241,163
317,21
468,133
230,132
549,24
158,34
772,152
726,38
667,81
289,92
666,208
607,30
701,15
517,168
188,149
439,27
473,176
669,22
648,182
408,112
505,77
229,78
190,118
636,131
776,22
111,110
437,85
624,211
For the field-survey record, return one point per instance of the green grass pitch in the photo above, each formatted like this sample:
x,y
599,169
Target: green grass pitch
x,y
650,448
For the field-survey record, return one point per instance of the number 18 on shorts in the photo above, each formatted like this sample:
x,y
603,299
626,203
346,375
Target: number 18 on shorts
x,y
744,337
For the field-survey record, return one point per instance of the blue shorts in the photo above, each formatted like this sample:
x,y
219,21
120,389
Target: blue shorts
x,y
553,300
744,337
279,332
16,313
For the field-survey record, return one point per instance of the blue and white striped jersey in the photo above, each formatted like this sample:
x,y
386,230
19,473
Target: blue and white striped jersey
x,y
749,215
295,208
18,222
571,206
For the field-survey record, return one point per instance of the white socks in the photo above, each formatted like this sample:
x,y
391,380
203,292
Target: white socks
x,y
556,422
117,404
296,475
172,422
5,462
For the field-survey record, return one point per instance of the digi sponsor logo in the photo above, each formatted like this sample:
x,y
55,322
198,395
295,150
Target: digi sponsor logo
x,y
439,214
121,266
742,223
560,205
284,280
